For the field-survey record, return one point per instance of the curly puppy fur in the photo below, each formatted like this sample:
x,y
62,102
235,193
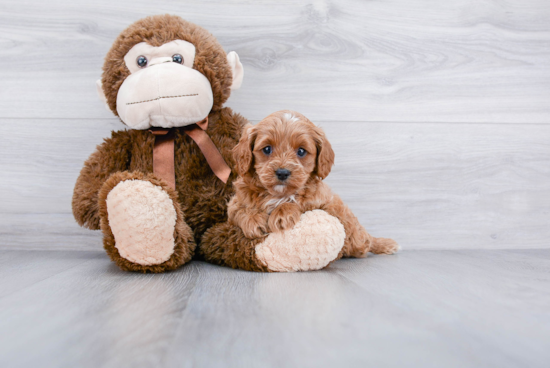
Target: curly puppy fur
x,y
265,203
200,196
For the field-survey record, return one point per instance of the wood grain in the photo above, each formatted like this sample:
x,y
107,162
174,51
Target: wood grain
x,y
350,60
429,185
467,308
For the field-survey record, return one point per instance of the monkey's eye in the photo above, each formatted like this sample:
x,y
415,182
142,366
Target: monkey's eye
x,y
301,152
177,58
267,150
141,61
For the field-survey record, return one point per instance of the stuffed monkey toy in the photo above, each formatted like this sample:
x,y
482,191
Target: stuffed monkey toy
x,y
155,188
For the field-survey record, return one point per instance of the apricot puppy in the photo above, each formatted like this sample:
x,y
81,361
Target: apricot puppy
x,y
282,162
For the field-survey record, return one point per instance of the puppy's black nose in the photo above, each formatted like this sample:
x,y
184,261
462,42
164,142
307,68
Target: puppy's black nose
x,y
282,174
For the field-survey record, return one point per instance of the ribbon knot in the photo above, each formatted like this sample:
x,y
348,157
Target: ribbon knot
x,y
163,152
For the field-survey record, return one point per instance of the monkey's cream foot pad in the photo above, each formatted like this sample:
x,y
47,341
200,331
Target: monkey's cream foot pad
x,y
142,218
312,244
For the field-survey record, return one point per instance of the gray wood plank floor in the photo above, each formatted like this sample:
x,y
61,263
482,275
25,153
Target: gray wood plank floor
x,y
463,308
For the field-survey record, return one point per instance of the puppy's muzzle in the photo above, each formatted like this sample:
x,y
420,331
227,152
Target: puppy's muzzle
x,y
282,174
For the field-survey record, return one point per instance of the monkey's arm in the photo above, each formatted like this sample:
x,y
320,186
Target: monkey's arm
x,y
111,156
226,131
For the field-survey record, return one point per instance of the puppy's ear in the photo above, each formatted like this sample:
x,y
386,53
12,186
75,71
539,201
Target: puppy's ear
x,y
325,154
242,153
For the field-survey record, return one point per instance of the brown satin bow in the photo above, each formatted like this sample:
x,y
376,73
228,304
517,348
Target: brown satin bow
x,y
163,152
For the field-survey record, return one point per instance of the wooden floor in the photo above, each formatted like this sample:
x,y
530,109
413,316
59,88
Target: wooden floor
x,y
446,308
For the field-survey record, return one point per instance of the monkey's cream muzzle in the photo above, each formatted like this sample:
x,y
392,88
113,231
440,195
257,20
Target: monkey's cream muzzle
x,y
163,90
165,94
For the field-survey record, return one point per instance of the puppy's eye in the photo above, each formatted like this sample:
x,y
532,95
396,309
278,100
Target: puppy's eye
x,y
267,150
177,58
141,61
301,152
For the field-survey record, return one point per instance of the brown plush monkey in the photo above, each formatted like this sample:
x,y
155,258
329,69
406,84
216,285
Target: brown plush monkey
x,y
155,188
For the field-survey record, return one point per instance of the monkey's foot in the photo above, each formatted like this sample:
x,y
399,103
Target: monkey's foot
x,y
144,229
312,244
142,218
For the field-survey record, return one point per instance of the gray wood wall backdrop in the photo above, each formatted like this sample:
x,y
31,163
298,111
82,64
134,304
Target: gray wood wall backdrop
x,y
439,111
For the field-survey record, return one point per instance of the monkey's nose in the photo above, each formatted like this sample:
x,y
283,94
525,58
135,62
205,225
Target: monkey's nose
x,y
282,174
160,60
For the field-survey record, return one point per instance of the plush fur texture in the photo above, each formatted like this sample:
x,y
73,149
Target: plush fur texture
x,y
226,245
184,244
142,218
299,248
200,198
263,204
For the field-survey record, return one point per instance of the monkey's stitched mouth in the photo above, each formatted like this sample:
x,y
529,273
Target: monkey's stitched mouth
x,y
158,98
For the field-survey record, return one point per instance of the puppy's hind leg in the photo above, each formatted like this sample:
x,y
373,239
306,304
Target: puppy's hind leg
x,y
383,246
358,242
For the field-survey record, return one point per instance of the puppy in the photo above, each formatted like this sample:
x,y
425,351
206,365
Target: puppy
x,y
281,163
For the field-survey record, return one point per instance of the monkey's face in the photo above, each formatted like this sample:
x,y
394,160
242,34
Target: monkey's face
x,y
163,71
163,89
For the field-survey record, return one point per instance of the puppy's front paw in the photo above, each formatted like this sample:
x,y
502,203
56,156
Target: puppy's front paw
x,y
255,226
284,217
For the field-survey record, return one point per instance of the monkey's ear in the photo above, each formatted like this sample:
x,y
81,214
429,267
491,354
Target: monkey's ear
x,y
101,94
325,154
242,153
236,69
